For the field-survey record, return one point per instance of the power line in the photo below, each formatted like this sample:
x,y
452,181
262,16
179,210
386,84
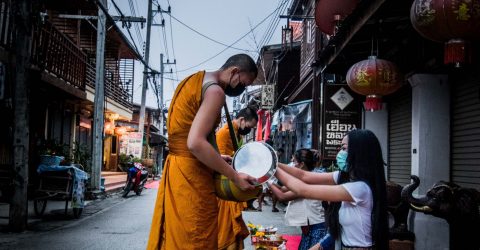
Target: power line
x,y
256,26
207,37
105,10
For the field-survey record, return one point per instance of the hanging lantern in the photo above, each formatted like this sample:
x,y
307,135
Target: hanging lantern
x,y
454,22
374,78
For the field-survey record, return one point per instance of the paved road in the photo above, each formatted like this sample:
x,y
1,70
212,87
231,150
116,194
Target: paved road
x,y
123,225
114,223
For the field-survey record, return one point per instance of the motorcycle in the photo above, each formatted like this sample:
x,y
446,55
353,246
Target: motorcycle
x,y
136,178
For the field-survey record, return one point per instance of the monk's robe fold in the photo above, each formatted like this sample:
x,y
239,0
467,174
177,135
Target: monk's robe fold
x,y
231,227
185,215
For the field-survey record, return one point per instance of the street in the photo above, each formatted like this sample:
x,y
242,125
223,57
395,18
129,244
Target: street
x,y
114,223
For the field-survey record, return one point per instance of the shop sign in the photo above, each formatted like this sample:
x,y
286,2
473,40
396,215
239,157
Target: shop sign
x,y
131,144
268,96
342,113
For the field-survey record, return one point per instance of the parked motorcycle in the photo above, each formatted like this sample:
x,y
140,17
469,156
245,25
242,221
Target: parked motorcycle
x,y
136,178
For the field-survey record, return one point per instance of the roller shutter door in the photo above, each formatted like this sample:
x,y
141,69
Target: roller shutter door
x,y
465,134
400,136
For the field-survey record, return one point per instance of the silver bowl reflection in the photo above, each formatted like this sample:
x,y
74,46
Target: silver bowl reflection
x,y
256,159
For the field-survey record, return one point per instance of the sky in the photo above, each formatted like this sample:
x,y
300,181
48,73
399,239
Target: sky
x,y
224,21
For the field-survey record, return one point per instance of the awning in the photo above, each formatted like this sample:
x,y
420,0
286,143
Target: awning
x,y
157,140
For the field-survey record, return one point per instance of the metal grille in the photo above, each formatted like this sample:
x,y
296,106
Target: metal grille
x,y
400,136
465,133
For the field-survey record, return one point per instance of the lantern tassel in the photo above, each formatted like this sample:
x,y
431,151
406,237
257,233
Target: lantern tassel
x,y
373,103
457,52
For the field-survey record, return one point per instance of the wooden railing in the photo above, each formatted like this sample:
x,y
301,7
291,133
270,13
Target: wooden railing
x,y
112,88
54,52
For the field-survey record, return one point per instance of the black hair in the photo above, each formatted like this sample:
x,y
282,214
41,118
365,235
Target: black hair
x,y
365,163
306,156
247,113
243,61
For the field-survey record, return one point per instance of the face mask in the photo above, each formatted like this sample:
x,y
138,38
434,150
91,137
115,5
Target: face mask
x,y
238,90
342,160
291,164
244,131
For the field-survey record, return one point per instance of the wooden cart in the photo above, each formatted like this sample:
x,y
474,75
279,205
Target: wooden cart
x,y
55,185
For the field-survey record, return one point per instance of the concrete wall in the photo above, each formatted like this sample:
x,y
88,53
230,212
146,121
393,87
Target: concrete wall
x,y
377,122
430,151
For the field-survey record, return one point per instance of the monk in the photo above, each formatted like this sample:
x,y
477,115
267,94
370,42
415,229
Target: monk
x,y
186,210
231,227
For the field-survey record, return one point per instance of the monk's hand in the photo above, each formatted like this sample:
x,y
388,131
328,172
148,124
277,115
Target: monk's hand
x,y
227,158
244,181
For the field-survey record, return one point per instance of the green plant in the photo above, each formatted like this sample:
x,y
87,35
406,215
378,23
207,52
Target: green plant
x,y
53,147
123,159
136,159
81,155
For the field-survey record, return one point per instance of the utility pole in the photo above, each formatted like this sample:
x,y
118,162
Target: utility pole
x,y
98,122
18,213
141,119
162,72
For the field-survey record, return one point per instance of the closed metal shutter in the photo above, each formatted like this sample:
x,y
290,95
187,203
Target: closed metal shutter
x,y
465,134
400,136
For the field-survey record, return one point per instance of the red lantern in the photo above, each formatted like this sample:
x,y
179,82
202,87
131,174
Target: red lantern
x,y
451,21
374,78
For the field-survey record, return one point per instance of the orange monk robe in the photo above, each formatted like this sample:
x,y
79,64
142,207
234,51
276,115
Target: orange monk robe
x,y
186,211
231,227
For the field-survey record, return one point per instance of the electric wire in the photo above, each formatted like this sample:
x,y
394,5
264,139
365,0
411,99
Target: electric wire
x,y
207,37
105,10
235,42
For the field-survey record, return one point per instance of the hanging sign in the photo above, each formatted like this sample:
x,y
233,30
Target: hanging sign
x,y
342,113
131,144
268,96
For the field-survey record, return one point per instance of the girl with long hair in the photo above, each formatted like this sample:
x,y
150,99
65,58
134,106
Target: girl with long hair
x,y
359,215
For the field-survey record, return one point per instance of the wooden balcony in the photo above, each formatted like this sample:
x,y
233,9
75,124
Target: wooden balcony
x,y
57,54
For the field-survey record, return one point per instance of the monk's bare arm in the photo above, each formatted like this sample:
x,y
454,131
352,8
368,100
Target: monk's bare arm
x,y
197,142
308,177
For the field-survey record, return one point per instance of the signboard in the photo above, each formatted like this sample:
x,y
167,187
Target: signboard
x,y
268,96
342,113
131,144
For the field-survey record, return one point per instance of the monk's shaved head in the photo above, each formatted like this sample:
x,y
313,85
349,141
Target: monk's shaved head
x,y
248,113
243,62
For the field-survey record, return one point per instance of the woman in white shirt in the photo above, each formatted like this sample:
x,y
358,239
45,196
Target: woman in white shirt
x,y
305,213
360,219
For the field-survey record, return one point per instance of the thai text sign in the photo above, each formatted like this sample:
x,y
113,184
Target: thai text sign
x,y
268,96
131,144
342,113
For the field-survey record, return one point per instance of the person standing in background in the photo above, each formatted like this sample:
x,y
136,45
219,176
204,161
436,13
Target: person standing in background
x,y
306,213
231,227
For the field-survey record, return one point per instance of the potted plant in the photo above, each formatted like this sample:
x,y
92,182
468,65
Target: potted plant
x,y
53,153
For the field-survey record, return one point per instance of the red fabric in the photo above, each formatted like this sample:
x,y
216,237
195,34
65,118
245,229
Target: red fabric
x,y
268,125
293,241
258,136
